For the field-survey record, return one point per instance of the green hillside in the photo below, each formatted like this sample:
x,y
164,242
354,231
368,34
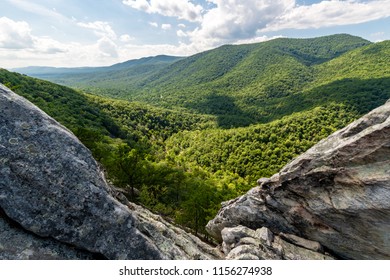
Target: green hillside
x,y
359,79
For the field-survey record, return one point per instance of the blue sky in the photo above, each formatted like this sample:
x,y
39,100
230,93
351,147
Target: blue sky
x,y
103,32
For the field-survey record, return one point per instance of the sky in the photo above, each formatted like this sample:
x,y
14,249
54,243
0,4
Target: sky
x,y
74,33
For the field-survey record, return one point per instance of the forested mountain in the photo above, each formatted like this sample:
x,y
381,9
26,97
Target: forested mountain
x,y
202,129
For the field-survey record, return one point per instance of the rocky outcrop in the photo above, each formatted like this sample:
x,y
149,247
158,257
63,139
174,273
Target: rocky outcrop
x,y
337,193
52,191
242,243
171,240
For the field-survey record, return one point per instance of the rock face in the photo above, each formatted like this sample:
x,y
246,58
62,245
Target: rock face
x,y
337,193
53,190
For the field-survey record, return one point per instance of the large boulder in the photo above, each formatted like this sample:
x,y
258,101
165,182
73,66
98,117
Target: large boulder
x,y
52,188
337,193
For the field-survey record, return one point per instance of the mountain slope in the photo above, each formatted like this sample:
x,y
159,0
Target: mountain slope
x,y
274,81
258,150
249,62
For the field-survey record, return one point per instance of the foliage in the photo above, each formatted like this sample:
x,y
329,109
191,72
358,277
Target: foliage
x,y
259,150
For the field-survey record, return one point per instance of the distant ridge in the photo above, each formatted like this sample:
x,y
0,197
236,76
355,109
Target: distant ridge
x,y
39,71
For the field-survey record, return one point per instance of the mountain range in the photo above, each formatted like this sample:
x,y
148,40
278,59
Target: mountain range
x,y
244,84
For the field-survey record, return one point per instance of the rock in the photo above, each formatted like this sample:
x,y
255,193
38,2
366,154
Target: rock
x,y
17,243
337,193
245,252
54,190
299,241
290,251
171,240
231,237
242,243
249,210
265,235
246,244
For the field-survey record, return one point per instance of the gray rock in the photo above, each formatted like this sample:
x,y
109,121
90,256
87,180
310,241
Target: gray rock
x,y
232,236
299,241
241,243
52,187
246,244
337,193
265,235
290,251
249,210
171,240
19,244
245,252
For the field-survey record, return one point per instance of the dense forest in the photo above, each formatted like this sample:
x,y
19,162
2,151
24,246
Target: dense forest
x,y
181,135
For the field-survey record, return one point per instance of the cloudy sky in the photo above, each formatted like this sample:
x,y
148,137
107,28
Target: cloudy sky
x,y
103,32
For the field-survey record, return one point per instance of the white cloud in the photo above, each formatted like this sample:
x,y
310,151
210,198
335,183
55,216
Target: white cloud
x,y
232,20
181,9
100,28
126,38
107,47
331,13
154,24
181,33
181,25
20,47
52,53
15,34
47,45
166,26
